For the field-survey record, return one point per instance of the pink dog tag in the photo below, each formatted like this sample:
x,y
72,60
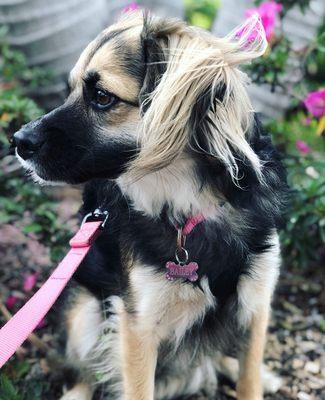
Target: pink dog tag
x,y
186,271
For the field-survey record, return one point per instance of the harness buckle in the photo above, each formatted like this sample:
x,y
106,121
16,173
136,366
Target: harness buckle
x,y
97,215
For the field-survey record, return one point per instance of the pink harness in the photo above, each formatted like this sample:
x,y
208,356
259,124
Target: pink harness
x,y
19,327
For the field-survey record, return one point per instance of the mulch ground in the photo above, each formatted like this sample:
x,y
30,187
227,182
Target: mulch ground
x,y
295,347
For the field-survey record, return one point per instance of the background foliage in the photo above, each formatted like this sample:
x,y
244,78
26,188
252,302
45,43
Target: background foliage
x,y
299,136
20,198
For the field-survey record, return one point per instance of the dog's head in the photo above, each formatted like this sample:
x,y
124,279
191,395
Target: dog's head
x,y
143,93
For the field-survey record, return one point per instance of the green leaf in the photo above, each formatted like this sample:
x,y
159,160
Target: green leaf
x,y
33,228
7,389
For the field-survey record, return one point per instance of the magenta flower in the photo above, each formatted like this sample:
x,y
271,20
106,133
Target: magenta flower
x,y
30,282
252,30
302,147
11,301
268,12
307,121
315,103
131,7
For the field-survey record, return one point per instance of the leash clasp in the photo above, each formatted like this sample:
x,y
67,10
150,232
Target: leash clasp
x,y
96,215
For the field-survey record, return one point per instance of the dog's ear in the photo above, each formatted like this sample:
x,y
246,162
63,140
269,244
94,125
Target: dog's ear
x,y
157,38
221,114
155,67
195,97
154,60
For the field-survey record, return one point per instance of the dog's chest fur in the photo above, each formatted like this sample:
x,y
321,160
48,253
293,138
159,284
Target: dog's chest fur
x,y
129,259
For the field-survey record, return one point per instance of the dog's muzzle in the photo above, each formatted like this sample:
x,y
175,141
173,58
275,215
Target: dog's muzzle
x,y
28,142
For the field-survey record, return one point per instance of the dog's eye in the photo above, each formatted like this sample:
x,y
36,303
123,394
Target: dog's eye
x,y
103,100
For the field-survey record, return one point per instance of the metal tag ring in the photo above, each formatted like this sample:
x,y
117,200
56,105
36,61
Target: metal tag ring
x,y
181,239
181,255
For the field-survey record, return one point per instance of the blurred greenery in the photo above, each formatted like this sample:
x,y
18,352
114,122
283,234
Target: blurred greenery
x,y
304,233
303,236
18,195
16,387
201,12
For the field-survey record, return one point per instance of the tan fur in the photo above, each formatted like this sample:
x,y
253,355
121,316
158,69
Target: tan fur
x,y
229,367
250,386
188,199
126,22
83,332
254,298
255,290
139,351
166,309
114,78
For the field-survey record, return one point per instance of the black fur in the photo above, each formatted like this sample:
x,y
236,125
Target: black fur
x,y
154,60
222,250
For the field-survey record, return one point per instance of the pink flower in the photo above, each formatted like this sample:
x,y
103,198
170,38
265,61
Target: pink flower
x,y
11,301
30,281
252,30
307,121
315,103
302,147
268,12
131,7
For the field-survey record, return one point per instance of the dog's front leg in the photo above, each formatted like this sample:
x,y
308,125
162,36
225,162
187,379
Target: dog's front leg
x,y
249,385
139,350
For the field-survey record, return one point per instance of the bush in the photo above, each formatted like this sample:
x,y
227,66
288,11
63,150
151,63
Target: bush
x,y
304,234
299,136
19,197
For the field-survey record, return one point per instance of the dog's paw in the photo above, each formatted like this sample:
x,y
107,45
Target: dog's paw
x,y
78,392
271,381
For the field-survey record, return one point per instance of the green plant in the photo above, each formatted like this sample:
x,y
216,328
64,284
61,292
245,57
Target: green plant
x,y
17,387
7,389
274,68
23,203
16,79
201,12
304,233
19,197
299,135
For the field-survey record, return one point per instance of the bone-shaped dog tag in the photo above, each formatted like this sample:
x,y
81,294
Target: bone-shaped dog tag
x,y
186,271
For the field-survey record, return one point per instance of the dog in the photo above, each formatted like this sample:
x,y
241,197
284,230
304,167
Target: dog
x,y
159,128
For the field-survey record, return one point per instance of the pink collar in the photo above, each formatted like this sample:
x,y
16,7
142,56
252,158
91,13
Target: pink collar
x,y
191,224
182,268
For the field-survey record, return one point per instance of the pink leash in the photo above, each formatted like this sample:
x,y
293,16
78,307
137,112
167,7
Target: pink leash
x,y
19,327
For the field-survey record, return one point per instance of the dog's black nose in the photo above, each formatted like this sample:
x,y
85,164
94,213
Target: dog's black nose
x,y
27,142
